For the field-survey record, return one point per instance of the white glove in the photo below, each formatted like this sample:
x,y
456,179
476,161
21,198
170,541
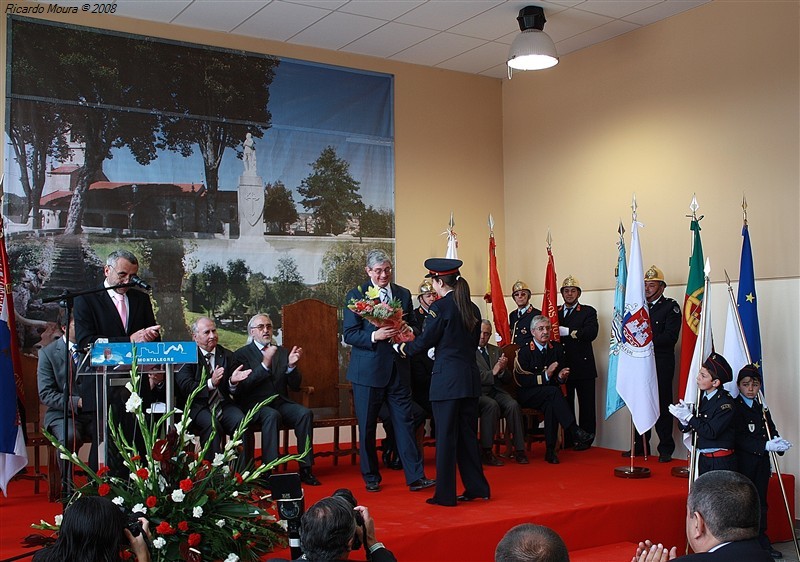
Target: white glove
x,y
777,445
563,331
682,411
396,347
431,353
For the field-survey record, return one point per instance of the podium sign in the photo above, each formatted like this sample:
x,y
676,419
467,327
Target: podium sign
x,y
113,354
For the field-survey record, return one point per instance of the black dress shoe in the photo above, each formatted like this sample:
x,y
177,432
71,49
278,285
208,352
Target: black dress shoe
x,y
488,459
551,457
583,439
434,501
373,487
306,477
466,498
421,484
521,457
775,553
664,458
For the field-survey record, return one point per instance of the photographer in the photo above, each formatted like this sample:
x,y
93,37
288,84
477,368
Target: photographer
x,y
95,530
335,526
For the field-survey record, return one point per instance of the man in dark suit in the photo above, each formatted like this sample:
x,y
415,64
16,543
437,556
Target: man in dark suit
x,y
213,407
722,514
665,317
578,329
494,401
120,315
539,372
520,319
378,374
273,371
51,376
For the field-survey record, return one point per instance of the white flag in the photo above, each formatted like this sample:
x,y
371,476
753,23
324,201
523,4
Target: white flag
x,y
636,368
704,347
734,350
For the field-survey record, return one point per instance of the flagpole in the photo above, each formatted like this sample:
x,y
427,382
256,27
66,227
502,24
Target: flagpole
x,y
761,399
701,334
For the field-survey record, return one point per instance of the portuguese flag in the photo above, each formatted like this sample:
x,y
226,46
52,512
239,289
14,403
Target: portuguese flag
x,y
692,306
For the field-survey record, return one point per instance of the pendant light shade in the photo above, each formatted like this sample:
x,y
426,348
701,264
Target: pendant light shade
x,y
532,49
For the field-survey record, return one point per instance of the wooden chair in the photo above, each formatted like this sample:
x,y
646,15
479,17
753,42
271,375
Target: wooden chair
x,y
313,325
33,433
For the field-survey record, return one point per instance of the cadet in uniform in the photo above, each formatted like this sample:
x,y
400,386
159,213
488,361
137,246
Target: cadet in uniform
x,y
520,319
578,329
665,317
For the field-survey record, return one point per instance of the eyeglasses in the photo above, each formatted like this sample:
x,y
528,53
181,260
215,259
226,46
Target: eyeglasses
x,y
380,271
519,294
261,327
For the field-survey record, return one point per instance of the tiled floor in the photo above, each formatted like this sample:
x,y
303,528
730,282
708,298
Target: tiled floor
x,y
788,549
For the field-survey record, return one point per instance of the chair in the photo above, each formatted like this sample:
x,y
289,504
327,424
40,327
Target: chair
x,y
313,325
33,433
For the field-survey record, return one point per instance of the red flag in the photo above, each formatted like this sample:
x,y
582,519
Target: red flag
x,y
550,299
496,299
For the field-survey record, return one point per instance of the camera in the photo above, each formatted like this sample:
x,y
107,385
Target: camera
x,y
288,494
348,496
133,525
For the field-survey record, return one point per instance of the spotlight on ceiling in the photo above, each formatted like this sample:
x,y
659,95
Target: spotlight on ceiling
x,y
532,49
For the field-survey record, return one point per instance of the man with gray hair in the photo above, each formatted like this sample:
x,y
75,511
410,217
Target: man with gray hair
x,y
531,543
273,371
722,518
378,374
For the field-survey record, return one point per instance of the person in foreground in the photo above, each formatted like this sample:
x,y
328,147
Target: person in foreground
x,y
453,331
722,516
94,530
331,530
531,543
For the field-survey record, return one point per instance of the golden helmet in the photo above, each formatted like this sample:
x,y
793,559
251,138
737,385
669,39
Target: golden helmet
x,y
520,286
571,281
426,287
654,274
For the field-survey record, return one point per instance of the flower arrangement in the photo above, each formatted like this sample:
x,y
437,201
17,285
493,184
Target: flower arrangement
x,y
381,314
197,509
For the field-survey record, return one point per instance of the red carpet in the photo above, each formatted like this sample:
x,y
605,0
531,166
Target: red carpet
x,y
594,512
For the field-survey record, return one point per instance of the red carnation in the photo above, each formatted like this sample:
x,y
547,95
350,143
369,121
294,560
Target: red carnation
x,y
136,458
125,554
103,471
237,535
143,473
151,501
164,528
194,539
239,478
186,485
183,526
103,489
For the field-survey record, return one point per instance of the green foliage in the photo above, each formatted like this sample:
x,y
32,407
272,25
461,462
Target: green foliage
x,y
279,208
376,223
343,268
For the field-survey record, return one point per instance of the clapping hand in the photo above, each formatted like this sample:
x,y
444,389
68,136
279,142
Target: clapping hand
x,y
240,374
682,411
649,552
294,356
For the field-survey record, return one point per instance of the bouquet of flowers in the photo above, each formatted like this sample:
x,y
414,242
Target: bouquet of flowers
x,y
381,314
198,509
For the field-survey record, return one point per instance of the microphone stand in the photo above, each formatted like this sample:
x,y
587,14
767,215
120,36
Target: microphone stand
x,y
66,301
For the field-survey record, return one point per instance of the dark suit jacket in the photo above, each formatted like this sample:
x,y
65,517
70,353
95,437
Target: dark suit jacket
x,y
737,551
521,326
51,376
188,378
263,383
578,353
371,364
665,317
97,317
532,365
714,422
455,372
490,383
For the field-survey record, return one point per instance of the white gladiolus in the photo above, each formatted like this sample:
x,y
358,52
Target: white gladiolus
x,y
118,500
134,403
139,508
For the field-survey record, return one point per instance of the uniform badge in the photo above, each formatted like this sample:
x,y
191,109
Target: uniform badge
x,y
751,427
432,313
523,331
725,407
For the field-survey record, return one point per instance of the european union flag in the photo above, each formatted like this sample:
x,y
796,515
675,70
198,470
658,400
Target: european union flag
x,y
747,302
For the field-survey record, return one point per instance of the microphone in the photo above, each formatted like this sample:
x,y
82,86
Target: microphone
x,y
136,280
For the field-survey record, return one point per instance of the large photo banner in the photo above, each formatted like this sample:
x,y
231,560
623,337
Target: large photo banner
x,y
241,181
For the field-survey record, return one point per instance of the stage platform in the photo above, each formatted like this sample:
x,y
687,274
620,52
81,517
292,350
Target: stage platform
x,y
599,516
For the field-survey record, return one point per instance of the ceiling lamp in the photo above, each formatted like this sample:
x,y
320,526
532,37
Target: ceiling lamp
x,y
532,49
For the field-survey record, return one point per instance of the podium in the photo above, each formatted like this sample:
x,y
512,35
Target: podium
x,y
111,364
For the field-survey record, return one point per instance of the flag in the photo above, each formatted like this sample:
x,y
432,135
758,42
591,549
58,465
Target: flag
x,y
702,349
13,455
636,367
494,296
550,298
734,350
613,400
748,304
692,306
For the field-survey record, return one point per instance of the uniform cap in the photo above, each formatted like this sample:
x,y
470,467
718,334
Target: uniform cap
x,y
438,267
571,281
748,371
520,286
654,274
719,368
